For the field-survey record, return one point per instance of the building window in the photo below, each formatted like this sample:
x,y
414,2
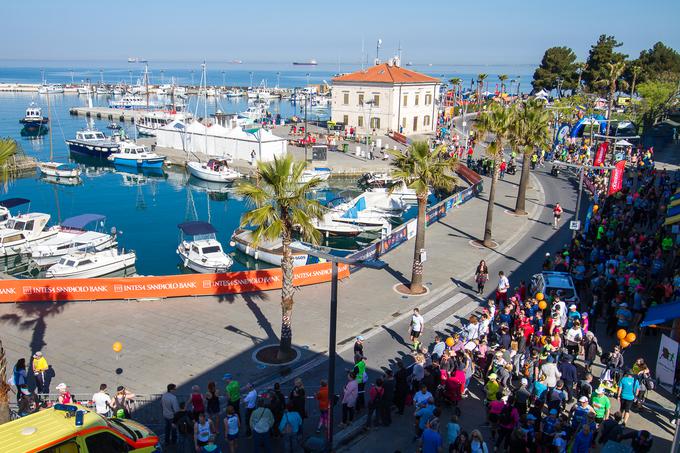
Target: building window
x,y
360,121
361,99
428,99
426,120
416,103
376,100
345,119
375,123
345,98
415,122
403,123
405,100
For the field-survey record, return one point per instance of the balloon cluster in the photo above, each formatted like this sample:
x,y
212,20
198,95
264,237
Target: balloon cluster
x,y
625,338
542,304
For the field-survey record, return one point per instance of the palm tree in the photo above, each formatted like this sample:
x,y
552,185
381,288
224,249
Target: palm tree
x,y
9,148
456,82
530,130
614,72
480,87
635,71
502,78
496,122
580,68
4,387
421,168
279,204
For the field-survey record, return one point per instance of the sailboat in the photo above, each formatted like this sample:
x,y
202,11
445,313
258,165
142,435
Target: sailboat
x,y
52,168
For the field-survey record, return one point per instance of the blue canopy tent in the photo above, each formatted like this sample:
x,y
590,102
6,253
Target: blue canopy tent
x,y
81,221
13,202
659,314
196,227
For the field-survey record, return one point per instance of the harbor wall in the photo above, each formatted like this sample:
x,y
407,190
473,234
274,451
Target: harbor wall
x,y
152,287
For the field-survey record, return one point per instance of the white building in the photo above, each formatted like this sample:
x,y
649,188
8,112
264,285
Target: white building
x,y
386,97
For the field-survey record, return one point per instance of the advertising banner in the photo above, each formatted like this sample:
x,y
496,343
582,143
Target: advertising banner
x,y
600,154
667,360
616,178
36,290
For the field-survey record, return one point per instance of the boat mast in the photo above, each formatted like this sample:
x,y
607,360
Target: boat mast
x,y
146,81
204,77
49,124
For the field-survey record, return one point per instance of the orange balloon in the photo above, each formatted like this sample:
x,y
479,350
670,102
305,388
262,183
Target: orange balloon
x,y
631,337
449,342
117,346
624,344
539,296
621,334
595,208
542,305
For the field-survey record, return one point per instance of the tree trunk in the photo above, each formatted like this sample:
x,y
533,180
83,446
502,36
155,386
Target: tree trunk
x,y
632,88
287,289
488,225
612,89
4,387
520,205
417,271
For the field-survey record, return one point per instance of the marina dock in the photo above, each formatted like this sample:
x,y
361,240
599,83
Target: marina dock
x,y
105,113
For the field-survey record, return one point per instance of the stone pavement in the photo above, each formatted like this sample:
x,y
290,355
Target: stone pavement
x,y
194,340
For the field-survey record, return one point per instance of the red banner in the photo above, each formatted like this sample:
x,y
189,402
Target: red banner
x,y
616,179
601,154
39,290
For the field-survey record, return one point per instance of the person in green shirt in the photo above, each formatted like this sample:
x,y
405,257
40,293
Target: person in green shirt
x,y
233,392
601,405
492,387
600,232
667,243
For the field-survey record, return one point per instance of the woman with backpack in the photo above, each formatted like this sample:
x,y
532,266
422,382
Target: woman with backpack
x,y
121,403
375,396
591,349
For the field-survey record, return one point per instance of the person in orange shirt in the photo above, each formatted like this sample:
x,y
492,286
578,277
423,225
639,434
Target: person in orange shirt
x,y
324,406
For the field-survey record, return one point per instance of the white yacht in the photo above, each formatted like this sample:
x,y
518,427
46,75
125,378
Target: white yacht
x,y
233,93
376,180
91,264
6,205
214,170
130,101
148,122
52,88
73,236
85,89
269,251
368,212
200,250
59,169
400,191
254,112
22,231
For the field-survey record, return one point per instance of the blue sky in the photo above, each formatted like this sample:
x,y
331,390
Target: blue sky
x,y
449,32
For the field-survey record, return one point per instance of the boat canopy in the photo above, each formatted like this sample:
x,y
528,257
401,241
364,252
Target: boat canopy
x,y
196,227
81,221
13,202
353,212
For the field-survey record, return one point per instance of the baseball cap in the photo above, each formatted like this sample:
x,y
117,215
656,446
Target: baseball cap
x,y
226,376
531,417
553,411
572,306
599,390
37,354
360,338
493,376
623,305
583,399
61,386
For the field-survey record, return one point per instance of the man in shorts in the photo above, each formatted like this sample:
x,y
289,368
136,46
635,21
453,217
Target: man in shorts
x,y
417,324
628,390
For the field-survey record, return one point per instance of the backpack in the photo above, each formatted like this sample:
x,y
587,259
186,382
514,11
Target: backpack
x,y
118,408
287,428
185,425
378,397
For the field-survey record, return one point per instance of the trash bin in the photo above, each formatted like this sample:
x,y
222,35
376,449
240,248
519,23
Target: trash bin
x,y
345,147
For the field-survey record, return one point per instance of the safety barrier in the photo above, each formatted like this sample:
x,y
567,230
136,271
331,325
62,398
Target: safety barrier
x,y
407,230
87,289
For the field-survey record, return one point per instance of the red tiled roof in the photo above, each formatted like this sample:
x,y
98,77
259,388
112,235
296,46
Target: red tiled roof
x,y
384,73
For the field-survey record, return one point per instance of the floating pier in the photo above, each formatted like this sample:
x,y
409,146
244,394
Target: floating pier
x,y
106,113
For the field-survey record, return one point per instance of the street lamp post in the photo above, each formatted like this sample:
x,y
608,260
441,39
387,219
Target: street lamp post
x,y
332,335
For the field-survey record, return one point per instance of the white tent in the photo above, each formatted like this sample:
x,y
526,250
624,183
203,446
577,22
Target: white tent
x,y
623,143
542,94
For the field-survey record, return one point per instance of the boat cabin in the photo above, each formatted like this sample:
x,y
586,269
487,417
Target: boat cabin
x,y
32,223
90,135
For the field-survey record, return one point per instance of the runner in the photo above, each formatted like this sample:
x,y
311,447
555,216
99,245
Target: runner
x,y
417,324
557,213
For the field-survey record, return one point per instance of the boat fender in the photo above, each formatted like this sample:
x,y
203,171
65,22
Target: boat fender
x,y
232,244
257,254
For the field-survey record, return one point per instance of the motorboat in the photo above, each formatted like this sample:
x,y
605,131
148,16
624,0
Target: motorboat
x,y
368,212
129,101
254,112
72,236
92,142
375,180
269,251
6,205
33,116
305,63
92,264
113,126
214,170
22,231
320,173
59,169
61,181
131,154
52,88
399,190
233,93
119,90
200,250
84,89
148,122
